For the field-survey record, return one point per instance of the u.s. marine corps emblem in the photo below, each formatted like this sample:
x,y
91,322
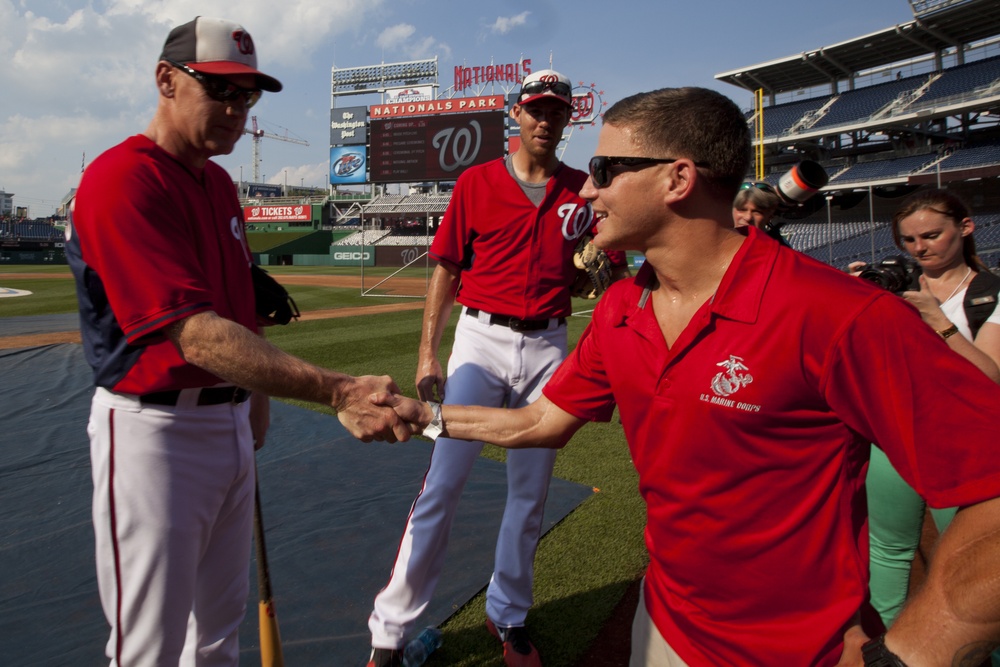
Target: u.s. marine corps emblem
x,y
728,382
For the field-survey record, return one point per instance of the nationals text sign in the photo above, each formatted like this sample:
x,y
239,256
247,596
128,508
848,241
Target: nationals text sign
x,y
432,107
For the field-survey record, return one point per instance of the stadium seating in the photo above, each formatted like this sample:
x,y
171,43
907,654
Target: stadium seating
x,y
884,169
858,105
31,231
973,156
962,79
367,237
779,119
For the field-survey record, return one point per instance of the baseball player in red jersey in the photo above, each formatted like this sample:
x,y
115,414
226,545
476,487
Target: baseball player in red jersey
x,y
504,251
169,326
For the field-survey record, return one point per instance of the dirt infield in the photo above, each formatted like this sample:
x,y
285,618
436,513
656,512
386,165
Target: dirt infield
x,y
396,285
31,276
393,286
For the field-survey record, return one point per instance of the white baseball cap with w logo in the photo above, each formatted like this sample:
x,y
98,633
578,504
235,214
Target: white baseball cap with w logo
x,y
216,46
546,83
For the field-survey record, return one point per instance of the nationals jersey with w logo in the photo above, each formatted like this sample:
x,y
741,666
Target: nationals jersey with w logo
x,y
516,258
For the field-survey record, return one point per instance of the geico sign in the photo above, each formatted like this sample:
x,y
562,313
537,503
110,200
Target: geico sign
x,y
352,255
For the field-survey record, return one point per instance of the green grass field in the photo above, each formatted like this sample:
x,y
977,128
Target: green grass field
x,y
583,566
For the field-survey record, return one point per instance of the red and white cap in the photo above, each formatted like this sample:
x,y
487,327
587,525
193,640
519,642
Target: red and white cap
x,y
545,83
216,46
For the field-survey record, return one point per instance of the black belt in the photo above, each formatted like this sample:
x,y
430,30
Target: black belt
x,y
206,396
515,324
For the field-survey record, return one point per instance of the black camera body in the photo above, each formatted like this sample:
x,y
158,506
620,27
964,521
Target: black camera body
x,y
896,273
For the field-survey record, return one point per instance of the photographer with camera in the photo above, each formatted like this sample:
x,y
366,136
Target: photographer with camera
x,y
946,282
755,204
956,296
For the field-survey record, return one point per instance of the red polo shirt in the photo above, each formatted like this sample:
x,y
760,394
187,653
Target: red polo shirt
x,y
750,436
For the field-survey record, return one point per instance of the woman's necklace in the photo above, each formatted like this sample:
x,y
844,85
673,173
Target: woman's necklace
x,y
959,286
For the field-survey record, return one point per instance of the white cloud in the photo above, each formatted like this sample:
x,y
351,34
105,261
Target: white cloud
x,y
400,39
79,76
505,24
309,175
394,36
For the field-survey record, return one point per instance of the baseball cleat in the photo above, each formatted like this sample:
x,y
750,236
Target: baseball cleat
x,y
518,651
386,657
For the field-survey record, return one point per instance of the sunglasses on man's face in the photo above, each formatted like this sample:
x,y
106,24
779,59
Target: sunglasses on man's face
x,y
600,166
219,88
536,87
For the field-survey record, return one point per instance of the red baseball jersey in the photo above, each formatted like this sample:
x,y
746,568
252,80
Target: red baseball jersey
x,y
516,258
150,243
751,438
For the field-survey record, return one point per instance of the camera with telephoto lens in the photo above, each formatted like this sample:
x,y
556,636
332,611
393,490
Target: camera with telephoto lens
x,y
800,183
796,187
896,274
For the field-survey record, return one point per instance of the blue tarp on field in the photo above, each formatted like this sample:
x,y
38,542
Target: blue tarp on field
x,y
333,509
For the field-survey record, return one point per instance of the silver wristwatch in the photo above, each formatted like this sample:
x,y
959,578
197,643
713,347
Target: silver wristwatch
x,y
434,429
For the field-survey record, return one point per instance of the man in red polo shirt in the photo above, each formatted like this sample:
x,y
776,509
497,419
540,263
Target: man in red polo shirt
x,y
750,379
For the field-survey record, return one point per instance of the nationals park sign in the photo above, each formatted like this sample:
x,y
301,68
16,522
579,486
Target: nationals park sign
x,y
440,106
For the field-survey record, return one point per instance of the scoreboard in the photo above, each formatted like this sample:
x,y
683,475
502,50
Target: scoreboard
x,y
433,148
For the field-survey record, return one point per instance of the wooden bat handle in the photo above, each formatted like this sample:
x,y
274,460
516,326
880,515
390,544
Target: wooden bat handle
x,y
270,638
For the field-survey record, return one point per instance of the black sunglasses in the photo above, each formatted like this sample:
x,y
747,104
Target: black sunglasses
x,y
536,87
219,88
601,175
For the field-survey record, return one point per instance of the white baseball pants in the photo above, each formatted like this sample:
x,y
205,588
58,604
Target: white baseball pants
x,y
173,524
490,365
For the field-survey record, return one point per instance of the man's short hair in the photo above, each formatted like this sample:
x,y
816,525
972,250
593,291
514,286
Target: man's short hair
x,y
694,123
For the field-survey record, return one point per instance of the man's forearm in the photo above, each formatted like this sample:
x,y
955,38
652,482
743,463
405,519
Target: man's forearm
x,y
437,309
954,618
541,424
236,354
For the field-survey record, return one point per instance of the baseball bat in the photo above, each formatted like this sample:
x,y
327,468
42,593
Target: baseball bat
x,y
270,639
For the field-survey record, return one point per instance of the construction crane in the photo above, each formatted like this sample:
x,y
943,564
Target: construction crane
x,y
257,135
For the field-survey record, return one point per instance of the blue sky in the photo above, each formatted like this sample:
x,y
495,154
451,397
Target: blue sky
x,y
78,76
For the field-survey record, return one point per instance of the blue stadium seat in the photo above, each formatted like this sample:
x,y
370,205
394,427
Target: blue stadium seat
x,y
884,169
963,79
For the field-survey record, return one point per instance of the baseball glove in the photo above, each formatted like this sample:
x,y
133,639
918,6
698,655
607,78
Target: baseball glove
x,y
274,304
595,272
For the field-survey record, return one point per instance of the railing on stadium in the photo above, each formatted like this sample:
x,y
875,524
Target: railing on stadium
x,y
952,85
282,201
973,156
856,105
959,80
779,119
876,170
